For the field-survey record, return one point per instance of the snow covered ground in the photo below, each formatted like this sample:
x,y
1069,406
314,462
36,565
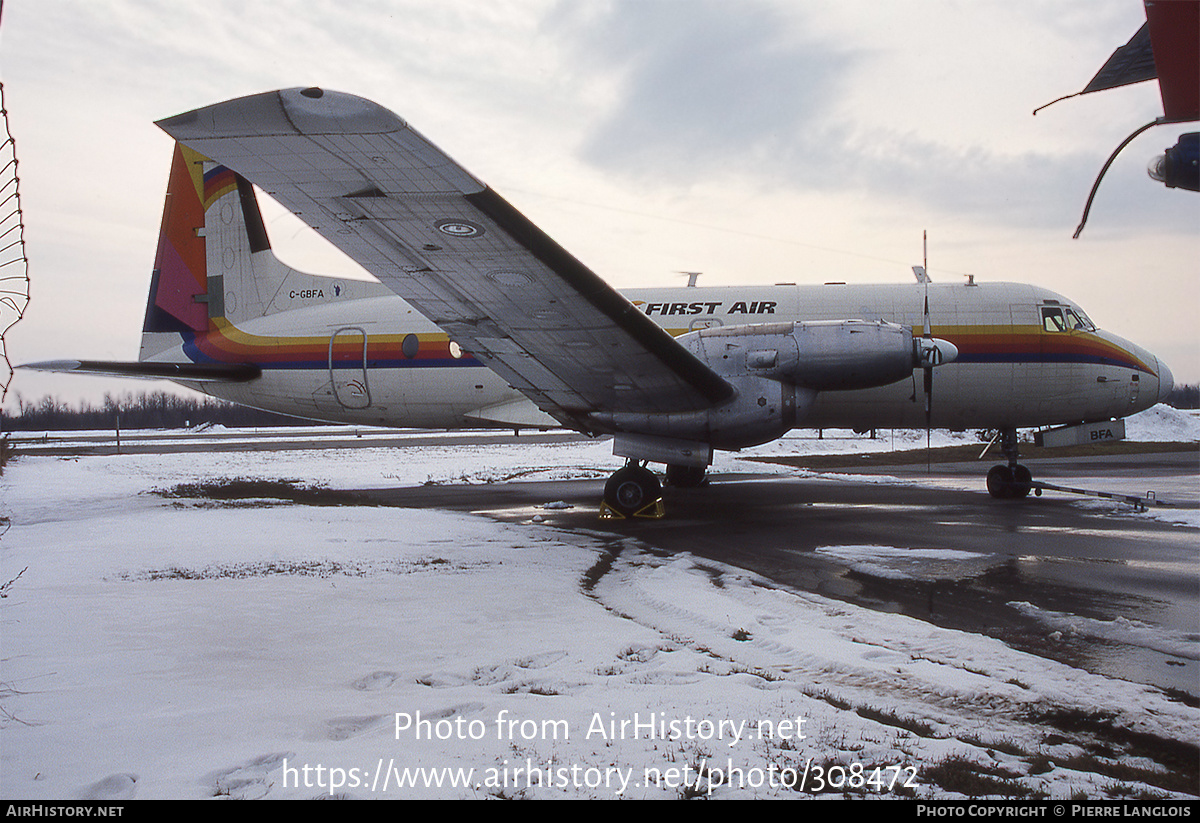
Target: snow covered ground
x,y
159,647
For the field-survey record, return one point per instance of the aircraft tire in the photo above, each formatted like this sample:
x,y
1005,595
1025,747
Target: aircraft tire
x,y
1022,482
1000,482
632,489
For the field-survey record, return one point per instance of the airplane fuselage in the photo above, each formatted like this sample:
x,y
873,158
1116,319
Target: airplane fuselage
x,y
352,351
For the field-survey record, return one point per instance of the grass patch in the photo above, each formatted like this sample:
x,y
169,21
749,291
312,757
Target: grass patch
x,y
240,489
909,724
292,568
963,776
1111,744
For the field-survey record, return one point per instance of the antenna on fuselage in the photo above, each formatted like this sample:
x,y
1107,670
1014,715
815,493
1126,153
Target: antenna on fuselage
x,y
692,277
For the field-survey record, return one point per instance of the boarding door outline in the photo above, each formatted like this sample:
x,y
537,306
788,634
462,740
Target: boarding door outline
x,y
348,368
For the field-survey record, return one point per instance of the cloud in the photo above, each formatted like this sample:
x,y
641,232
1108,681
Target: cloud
x,y
772,94
701,82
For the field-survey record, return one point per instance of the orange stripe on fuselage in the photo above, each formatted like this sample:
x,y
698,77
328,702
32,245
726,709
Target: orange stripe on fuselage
x,y
225,343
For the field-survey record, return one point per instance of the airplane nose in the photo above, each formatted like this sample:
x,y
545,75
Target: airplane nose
x,y
1166,381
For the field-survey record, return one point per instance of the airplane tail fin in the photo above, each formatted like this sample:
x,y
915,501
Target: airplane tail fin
x,y
209,266
179,288
213,268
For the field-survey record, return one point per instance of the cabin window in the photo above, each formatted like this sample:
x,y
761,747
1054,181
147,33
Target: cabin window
x,y
410,346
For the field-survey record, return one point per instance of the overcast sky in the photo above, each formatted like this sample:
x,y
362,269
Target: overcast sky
x,y
755,141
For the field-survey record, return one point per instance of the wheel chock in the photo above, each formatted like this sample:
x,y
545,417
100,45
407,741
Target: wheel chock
x,y
655,511
651,511
607,512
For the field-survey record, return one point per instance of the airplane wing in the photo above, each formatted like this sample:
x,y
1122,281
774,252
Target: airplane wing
x,y
448,244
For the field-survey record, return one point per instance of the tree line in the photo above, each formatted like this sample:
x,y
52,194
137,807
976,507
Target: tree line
x,y
154,410
1185,397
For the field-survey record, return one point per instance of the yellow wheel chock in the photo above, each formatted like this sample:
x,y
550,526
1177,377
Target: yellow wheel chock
x,y
651,511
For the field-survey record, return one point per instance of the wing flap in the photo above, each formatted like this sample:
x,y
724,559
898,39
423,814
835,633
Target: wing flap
x,y
457,251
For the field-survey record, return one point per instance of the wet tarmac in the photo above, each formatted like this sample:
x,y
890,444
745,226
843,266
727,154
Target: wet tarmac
x,y
1088,581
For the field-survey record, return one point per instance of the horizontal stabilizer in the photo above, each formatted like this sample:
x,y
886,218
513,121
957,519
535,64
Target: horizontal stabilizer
x,y
199,372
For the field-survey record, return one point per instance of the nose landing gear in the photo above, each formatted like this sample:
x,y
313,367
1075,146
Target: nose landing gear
x,y
1013,481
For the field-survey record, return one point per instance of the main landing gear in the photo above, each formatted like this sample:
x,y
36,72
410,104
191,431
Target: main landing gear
x,y
1012,481
633,491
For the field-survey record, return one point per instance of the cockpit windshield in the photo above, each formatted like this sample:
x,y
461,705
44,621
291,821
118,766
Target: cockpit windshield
x,y
1065,318
1078,321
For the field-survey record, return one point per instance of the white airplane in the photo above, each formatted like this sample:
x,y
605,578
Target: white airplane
x,y
480,319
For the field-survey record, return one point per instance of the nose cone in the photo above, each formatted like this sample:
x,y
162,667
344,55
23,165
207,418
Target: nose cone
x,y
1166,381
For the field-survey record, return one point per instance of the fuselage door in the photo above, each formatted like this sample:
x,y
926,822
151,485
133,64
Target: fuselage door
x,y
348,368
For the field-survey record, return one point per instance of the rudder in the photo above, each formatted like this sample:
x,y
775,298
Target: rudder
x,y
180,273
214,261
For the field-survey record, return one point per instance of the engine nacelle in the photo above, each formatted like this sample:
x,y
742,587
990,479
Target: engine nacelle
x,y
762,410
1179,166
838,355
776,370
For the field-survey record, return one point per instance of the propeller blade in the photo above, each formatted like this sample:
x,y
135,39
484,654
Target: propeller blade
x,y
932,355
929,407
